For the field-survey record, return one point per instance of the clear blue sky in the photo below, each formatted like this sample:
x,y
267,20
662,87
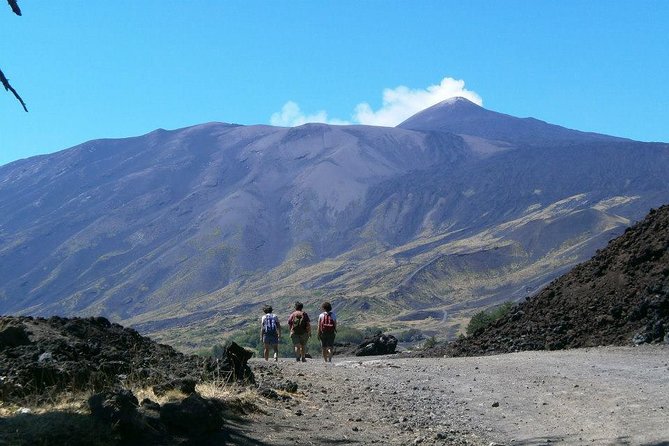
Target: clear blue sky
x,y
102,69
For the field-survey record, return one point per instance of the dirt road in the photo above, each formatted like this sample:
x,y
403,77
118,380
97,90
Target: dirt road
x,y
602,396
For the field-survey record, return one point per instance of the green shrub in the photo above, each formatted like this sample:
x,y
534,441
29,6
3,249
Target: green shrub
x,y
350,334
484,318
429,343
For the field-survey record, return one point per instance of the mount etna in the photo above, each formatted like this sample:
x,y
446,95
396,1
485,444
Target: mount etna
x,y
184,234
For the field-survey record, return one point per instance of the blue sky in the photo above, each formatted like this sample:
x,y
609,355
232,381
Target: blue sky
x,y
99,69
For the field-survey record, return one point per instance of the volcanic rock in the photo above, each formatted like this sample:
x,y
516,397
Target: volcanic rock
x,y
379,344
59,354
619,297
194,415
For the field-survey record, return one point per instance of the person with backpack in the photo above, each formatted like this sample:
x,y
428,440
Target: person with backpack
x,y
270,332
300,331
327,329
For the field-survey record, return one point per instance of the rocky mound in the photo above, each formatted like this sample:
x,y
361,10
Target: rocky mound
x,y
619,297
41,357
378,344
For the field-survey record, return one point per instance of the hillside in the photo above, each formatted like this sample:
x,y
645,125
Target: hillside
x,y
619,297
184,234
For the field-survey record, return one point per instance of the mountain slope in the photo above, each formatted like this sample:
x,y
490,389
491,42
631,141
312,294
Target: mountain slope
x,y
185,233
125,225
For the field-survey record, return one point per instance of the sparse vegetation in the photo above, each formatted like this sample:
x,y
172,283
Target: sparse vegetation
x,y
484,318
429,343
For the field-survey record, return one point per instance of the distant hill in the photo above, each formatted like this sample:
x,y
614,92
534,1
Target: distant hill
x,y
184,234
619,297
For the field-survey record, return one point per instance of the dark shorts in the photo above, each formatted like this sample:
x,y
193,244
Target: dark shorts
x,y
271,339
298,339
327,339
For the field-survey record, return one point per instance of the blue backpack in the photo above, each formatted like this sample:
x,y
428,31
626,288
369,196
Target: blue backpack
x,y
269,324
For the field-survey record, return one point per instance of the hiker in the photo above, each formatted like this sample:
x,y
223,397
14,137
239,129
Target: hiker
x,y
327,328
300,331
270,332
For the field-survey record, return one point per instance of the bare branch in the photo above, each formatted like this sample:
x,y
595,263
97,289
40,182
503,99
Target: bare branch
x,y
8,87
15,6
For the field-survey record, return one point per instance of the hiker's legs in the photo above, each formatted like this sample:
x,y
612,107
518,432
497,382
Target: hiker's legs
x,y
327,343
297,344
266,351
276,352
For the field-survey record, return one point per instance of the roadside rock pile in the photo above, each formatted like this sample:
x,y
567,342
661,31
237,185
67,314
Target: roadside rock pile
x,y
379,344
42,357
194,417
619,297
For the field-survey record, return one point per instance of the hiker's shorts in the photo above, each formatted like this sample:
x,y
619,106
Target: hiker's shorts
x,y
301,338
327,339
270,339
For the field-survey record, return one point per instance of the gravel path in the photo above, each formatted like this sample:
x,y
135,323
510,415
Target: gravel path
x,y
602,396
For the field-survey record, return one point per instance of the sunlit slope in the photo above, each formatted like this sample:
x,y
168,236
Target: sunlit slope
x,y
186,233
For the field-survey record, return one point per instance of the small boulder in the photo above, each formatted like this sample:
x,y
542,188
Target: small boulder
x,y
193,416
235,359
268,392
113,406
118,408
288,386
12,335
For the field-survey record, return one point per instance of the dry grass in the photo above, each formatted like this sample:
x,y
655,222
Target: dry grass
x,y
65,419
74,402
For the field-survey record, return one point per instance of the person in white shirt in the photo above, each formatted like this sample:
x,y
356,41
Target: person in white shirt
x,y
270,332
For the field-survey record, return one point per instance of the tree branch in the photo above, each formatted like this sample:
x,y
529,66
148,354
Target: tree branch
x,y
15,6
8,87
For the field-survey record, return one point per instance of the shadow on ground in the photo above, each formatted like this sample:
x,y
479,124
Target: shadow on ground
x,y
59,428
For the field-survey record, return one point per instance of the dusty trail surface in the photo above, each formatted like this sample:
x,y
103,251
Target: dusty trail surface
x,y
599,396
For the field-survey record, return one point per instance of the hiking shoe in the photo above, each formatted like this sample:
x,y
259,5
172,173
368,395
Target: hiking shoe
x,y
304,360
297,359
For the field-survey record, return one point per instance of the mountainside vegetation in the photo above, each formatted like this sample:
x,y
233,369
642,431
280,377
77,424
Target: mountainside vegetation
x,y
185,234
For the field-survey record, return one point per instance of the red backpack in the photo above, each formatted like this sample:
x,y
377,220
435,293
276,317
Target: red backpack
x,y
327,324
